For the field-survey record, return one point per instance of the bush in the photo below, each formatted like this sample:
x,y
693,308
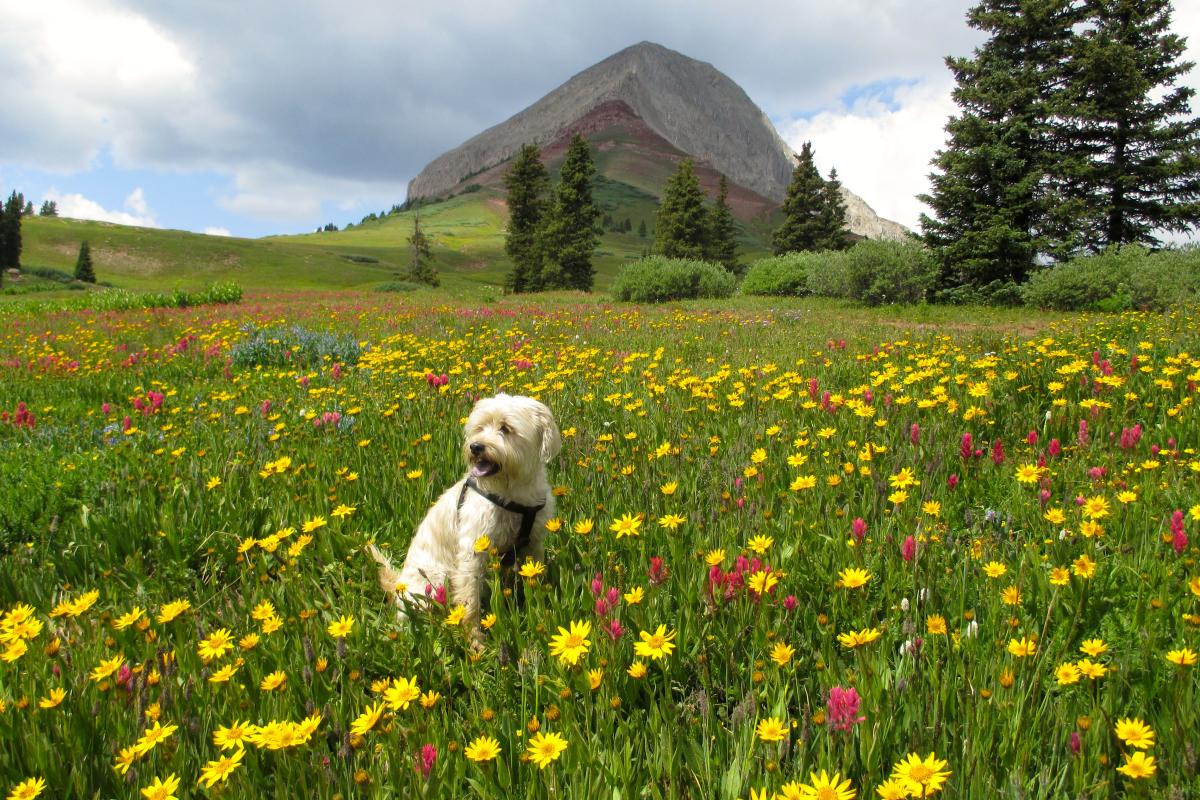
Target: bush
x,y
785,275
399,286
1166,279
996,293
294,346
875,273
655,279
1088,283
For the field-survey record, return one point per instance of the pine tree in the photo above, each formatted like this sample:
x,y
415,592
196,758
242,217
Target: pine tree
x,y
49,209
10,222
722,232
84,271
1135,168
801,228
526,184
833,215
568,234
420,264
990,199
681,227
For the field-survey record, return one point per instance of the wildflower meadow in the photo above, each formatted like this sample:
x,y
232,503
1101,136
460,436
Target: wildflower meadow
x,y
797,554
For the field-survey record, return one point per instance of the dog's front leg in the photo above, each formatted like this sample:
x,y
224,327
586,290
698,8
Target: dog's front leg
x,y
467,586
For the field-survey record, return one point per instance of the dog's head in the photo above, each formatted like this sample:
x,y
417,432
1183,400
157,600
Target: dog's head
x,y
510,438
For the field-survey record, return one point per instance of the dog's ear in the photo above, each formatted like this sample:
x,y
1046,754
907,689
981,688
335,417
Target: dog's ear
x,y
551,438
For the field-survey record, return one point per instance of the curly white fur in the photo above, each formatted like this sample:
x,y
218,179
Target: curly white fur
x,y
508,442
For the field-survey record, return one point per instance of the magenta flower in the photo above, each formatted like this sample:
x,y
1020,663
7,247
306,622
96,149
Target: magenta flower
x,y
859,529
908,548
426,759
843,709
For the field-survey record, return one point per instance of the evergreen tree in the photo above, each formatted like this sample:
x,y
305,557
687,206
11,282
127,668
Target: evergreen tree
x,y
991,203
28,208
420,264
10,223
49,209
568,235
722,233
526,184
1135,165
84,271
833,215
801,228
642,229
681,227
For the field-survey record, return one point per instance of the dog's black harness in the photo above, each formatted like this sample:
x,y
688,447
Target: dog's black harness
x,y
509,557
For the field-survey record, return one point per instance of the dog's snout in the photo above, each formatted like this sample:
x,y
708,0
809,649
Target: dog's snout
x,y
476,448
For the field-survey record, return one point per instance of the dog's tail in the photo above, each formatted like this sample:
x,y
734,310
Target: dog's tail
x,y
389,578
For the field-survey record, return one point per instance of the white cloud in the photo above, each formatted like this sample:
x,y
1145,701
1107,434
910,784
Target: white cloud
x,y
214,230
76,206
881,149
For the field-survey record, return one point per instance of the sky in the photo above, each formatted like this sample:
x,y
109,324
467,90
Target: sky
x,y
250,119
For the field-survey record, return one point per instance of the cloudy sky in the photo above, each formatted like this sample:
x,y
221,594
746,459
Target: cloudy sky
x,y
251,118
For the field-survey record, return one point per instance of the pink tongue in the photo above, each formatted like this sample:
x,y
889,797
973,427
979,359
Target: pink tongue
x,y
483,469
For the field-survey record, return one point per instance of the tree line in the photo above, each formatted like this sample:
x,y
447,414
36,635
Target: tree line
x,y
1073,136
552,233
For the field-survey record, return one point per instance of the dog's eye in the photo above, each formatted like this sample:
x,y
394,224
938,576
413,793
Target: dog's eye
x,y
505,429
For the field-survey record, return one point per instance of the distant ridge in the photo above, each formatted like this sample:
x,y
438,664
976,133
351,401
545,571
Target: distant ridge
x,y
689,104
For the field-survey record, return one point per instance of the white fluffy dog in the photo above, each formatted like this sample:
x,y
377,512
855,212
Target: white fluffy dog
x,y
504,496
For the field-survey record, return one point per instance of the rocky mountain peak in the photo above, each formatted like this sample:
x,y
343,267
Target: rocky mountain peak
x,y
690,104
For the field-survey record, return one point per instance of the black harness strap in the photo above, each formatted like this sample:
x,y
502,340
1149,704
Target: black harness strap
x,y
509,557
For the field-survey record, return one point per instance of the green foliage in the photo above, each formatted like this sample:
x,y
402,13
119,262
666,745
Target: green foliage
x,y
420,264
833,215
49,209
568,236
1119,278
722,232
1074,133
125,300
1134,147
84,270
783,275
656,279
10,231
525,183
876,273
802,227
293,346
681,227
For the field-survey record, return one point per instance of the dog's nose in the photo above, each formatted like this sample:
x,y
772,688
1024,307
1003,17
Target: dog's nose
x,y
476,448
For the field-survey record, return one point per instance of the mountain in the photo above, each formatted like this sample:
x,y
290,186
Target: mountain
x,y
656,106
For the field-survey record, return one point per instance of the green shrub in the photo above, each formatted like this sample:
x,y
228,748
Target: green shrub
x,y
1094,283
875,273
785,275
398,286
996,293
294,346
1166,279
656,279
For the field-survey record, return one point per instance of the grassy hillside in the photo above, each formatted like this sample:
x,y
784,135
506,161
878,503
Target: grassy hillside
x,y
467,232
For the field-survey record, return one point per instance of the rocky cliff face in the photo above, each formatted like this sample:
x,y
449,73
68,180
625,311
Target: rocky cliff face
x,y
688,103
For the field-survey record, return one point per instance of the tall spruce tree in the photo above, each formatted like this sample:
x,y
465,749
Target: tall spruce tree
x,y
801,228
526,183
989,195
1135,150
833,215
84,269
722,231
10,223
681,227
569,236
420,257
